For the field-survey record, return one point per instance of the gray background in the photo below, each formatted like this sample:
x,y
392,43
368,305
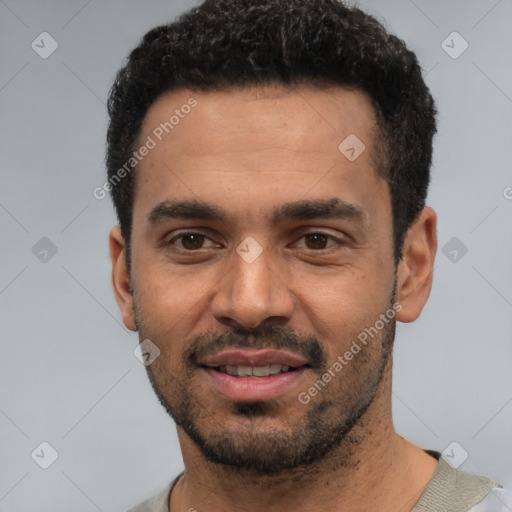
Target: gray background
x,y
68,372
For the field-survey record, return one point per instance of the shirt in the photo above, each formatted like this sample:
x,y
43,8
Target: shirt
x,y
449,490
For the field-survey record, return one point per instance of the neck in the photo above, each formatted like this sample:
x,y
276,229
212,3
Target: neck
x,y
373,467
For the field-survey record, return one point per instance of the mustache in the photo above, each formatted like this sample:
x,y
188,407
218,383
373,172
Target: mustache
x,y
265,337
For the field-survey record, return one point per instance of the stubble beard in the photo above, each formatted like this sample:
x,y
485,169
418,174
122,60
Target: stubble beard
x,y
328,425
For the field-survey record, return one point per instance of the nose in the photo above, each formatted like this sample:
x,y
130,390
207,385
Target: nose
x,y
252,293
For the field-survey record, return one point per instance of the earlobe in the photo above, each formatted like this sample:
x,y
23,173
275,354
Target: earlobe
x,y
121,279
415,270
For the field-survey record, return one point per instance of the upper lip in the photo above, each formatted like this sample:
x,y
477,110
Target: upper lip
x,y
253,357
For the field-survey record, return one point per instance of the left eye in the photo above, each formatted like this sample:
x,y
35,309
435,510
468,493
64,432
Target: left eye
x,y
317,239
192,241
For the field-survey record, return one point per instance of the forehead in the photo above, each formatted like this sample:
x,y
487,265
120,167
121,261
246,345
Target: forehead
x,y
302,118
264,144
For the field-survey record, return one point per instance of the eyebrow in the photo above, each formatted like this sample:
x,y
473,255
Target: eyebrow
x,y
305,209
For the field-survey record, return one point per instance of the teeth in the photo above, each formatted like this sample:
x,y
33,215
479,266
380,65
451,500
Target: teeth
x,y
261,371
275,368
254,371
244,371
230,370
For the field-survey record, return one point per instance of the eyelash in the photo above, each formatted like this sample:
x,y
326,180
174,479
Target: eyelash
x,y
187,233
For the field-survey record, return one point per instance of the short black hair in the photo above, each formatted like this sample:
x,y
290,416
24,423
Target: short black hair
x,y
226,43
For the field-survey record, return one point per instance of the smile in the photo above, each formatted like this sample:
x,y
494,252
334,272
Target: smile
x,y
248,386
254,371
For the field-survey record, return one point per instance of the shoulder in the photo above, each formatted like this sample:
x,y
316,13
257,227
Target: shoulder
x,y
497,499
456,490
159,502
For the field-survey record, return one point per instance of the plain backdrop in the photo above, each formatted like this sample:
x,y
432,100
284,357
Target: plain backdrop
x,y
69,376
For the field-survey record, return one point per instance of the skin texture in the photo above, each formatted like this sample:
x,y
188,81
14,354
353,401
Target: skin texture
x,y
250,150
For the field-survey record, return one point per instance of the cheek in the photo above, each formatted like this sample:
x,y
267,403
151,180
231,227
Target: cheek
x,y
166,292
342,305
169,302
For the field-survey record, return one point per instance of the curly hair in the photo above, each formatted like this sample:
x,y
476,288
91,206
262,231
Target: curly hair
x,y
226,43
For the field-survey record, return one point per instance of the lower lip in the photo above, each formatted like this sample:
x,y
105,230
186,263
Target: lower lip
x,y
253,388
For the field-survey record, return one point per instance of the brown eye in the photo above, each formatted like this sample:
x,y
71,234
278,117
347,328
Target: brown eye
x,y
190,241
316,240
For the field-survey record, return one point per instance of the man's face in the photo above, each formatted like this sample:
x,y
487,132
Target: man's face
x,y
301,283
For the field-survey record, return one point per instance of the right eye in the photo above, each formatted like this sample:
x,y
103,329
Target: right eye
x,y
190,241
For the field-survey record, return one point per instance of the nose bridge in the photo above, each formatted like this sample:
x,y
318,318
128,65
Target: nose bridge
x,y
251,291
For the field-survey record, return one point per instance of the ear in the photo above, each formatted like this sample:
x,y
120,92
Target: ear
x,y
121,280
415,269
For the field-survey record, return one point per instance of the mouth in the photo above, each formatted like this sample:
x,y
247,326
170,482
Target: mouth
x,y
255,371
254,374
